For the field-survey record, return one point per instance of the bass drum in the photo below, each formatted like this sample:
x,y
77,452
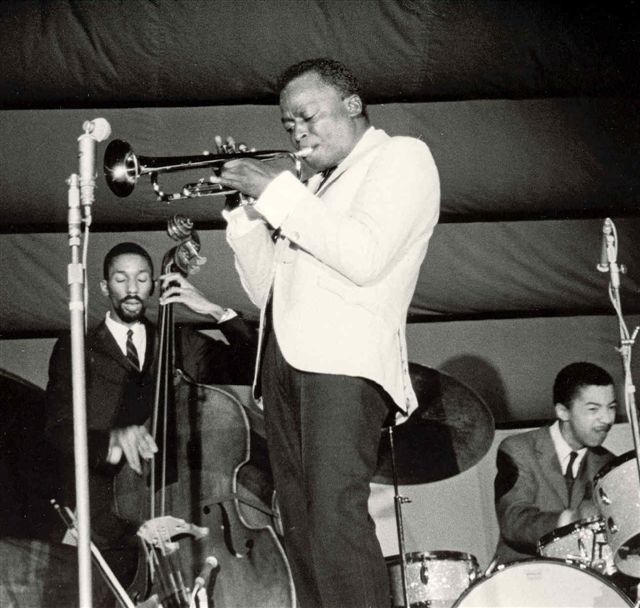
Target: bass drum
x,y
547,583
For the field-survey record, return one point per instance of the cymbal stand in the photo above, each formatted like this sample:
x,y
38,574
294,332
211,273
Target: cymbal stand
x,y
398,502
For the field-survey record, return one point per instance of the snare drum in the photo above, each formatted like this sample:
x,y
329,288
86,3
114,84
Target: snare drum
x,y
542,583
435,579
617,495
583,542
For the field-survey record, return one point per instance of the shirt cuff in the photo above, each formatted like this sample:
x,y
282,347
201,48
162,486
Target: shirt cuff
x,y
276,201
240,221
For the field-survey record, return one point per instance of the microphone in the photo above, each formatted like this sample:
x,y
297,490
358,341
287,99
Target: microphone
x,y
609,253
603,266
98,128
95,130
209,564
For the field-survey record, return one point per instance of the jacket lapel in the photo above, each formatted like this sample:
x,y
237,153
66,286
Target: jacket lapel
x,y
150,354
550,465
106,344
372,138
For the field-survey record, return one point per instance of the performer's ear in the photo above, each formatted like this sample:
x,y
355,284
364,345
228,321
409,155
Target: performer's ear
x,y
562,412
104,288
354,105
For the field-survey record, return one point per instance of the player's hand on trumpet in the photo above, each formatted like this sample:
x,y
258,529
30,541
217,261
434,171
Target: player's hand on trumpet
x,y
228,146
248,176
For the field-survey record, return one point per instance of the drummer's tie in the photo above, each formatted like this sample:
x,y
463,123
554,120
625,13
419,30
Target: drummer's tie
x,y
568,474
132,353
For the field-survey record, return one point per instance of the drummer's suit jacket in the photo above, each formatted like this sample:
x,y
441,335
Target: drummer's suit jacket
x,y
531,492
117,396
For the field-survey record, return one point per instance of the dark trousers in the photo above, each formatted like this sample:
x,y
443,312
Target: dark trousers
x,y
323,433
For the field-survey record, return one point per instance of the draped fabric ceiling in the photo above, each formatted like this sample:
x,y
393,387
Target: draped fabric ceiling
x,y
529,107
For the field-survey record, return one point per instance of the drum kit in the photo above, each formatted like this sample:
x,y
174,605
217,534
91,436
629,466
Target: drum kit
x,y
576,564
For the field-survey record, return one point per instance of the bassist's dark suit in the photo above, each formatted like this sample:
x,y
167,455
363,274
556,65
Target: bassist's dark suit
x,y
119,396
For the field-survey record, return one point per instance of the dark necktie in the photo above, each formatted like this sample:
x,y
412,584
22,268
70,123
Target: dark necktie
x,y
568,474
326,174
132,353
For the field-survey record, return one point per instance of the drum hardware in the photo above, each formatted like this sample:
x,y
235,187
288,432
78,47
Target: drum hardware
x,y
398,501
583,542
455,426
491,567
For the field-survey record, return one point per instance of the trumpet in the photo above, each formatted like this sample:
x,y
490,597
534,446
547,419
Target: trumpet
x,y
123,168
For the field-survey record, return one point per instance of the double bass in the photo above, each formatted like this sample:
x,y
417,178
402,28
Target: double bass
x,y
205,537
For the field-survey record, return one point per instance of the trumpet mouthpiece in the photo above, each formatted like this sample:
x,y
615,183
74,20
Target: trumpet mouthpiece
x,y
304,152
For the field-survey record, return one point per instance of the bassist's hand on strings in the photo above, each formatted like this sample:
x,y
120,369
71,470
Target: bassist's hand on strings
x,y
134,442
177,290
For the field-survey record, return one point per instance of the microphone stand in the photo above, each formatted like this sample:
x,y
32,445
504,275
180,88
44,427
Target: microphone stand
x,y
80,199
627,340
75,278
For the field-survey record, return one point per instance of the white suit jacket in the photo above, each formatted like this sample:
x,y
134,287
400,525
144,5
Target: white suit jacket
x,y
345,266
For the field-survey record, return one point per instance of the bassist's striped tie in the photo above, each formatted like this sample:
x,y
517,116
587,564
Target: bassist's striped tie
x,y
132,353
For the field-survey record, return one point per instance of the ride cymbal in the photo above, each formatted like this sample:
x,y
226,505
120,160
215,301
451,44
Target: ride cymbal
x,y
449,432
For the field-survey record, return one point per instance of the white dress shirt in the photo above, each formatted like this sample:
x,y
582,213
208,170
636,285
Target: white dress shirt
x,y
119,332
563,450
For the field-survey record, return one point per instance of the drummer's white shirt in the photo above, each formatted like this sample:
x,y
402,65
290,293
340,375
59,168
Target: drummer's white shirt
x,y
563,450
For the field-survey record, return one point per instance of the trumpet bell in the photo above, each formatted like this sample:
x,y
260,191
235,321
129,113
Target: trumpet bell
x,y
121,169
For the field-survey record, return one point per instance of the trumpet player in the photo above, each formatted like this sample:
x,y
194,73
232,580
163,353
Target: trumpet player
x,y
332,265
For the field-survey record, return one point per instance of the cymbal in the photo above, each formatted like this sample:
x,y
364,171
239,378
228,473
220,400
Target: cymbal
x,y
449,432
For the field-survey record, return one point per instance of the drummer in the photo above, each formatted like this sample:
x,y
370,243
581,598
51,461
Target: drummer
x,y
544,478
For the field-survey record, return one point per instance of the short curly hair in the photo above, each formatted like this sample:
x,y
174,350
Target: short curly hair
x,y
575,376
333,72
123,249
